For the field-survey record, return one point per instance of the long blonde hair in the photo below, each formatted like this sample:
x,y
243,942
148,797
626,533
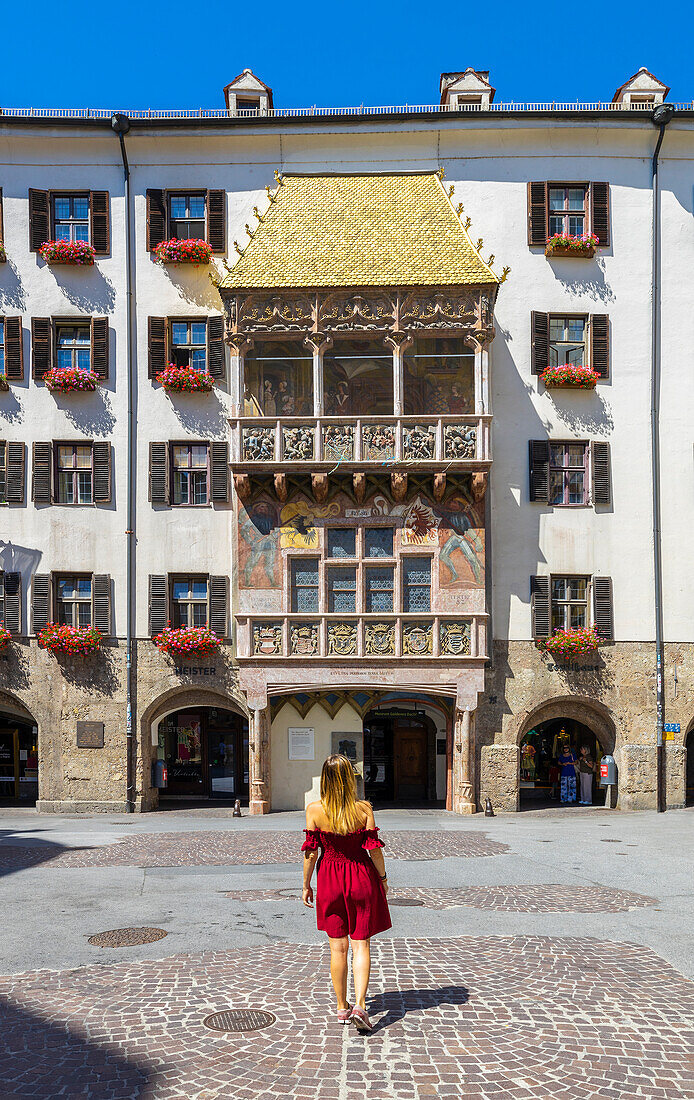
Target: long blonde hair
x,y
338,795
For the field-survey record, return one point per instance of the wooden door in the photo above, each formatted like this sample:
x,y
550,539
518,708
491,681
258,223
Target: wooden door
x,y
410,762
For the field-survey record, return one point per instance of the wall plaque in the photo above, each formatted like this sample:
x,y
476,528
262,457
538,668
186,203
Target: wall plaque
x,y
301,743
90,735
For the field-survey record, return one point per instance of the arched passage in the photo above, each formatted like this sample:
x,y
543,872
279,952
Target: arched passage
x,y
561,744
19,753
689,767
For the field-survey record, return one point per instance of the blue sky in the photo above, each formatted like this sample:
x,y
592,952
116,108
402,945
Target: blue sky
x,y
181,54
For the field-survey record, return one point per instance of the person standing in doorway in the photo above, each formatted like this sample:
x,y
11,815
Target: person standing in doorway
x,y
568,763
351,882
586,768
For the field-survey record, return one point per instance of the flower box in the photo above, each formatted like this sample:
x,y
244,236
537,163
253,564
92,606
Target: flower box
x,y
582,378
62,638
69,379
5,636
76,253
4,384
187,641
185,379
183,252
563,244
571,643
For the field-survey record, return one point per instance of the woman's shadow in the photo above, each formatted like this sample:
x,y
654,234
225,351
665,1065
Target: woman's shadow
x,y
396,1003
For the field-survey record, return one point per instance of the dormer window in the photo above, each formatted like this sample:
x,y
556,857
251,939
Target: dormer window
x,y
247,104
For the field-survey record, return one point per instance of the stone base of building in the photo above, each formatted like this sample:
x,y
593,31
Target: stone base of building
x,y
78,806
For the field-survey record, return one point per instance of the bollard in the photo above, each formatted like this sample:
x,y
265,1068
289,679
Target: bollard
x,y
488,808
237,809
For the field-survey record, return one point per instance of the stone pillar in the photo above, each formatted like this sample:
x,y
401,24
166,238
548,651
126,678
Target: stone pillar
x,y
259,761
319,343
463,800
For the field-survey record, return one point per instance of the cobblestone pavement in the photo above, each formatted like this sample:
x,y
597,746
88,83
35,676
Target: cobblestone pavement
x,y
545,898
494,1018
228,848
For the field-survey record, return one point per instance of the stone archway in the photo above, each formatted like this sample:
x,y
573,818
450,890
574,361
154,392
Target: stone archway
x,y
19,751
591,714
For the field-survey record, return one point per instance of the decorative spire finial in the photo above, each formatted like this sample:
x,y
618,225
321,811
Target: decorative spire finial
x,y
468,222
479,244
504,274
238,248
491,259
441,172
459,209
451,189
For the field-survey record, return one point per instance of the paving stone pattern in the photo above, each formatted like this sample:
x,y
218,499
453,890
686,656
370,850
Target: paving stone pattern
x,y
226,848
536,898
494,1018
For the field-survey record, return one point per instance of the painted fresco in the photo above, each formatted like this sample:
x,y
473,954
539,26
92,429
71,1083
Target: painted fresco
x,y
259,545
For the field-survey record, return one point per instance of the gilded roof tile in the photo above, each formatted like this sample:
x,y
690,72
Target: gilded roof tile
x,y
359,230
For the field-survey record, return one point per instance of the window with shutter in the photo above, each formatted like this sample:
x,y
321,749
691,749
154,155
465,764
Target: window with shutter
x,y
568,484
539,330
189,483
102,472
157,345
73,596
101,222
569,604
216,220
186,215
73,474
15,472
40,601
537,213
188,343
41,345
101,596
158,603
219,605
3,472
99,341
159,473
601,473
12,348
600,212
539,470
219,471
600,344
41,480
70,217
39,218
602,607
539,606
215,347
190,601
11,605
156,218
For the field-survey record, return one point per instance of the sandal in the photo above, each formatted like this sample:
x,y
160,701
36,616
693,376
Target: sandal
x,y
361,1019
344,1014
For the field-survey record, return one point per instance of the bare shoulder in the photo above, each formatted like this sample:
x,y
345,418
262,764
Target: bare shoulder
x,y
368,812
313,813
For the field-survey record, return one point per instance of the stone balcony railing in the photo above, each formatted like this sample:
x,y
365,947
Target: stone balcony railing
x,y
366,441
371,636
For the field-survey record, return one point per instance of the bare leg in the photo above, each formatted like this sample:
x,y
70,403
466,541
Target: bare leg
x,y
339,949
361,969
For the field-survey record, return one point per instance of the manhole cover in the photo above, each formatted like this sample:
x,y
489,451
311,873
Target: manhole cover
x,y
127,937
239,1019
405,901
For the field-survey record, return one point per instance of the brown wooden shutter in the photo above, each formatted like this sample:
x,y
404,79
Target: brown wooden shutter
x,y
13,603
539,470
101,603
159,473
215,347
600,343
539,328
600,212
39,218
14,349
41,471
101,453
219,605
16,465
101,222
216,220
538,220
539,606
156,218
602,607
157,340
40,601
601,473
219,472
100,346
41,345
158,603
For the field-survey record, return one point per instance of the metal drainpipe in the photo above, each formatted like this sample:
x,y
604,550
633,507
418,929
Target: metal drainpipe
x,y
662,114
121,125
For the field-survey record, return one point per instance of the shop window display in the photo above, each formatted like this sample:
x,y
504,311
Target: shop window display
x,y
278,380
19,761
206,753
358,379
552,752
439,377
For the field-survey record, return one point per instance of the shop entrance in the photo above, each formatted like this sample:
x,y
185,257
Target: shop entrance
x,y
206,753
541,767
399,757
19,760
689,781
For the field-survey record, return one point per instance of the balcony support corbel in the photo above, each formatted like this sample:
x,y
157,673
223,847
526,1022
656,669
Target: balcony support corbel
x,y
439,486
320,486
281,490
398,486
479,485
242,484
359,487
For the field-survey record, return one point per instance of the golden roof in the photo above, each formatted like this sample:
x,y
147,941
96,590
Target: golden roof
x,y
359,230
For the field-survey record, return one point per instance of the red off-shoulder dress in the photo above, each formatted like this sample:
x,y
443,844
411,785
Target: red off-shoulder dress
x,y
350,899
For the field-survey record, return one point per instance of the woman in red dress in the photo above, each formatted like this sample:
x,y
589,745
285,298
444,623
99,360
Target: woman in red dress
x,y
351,882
